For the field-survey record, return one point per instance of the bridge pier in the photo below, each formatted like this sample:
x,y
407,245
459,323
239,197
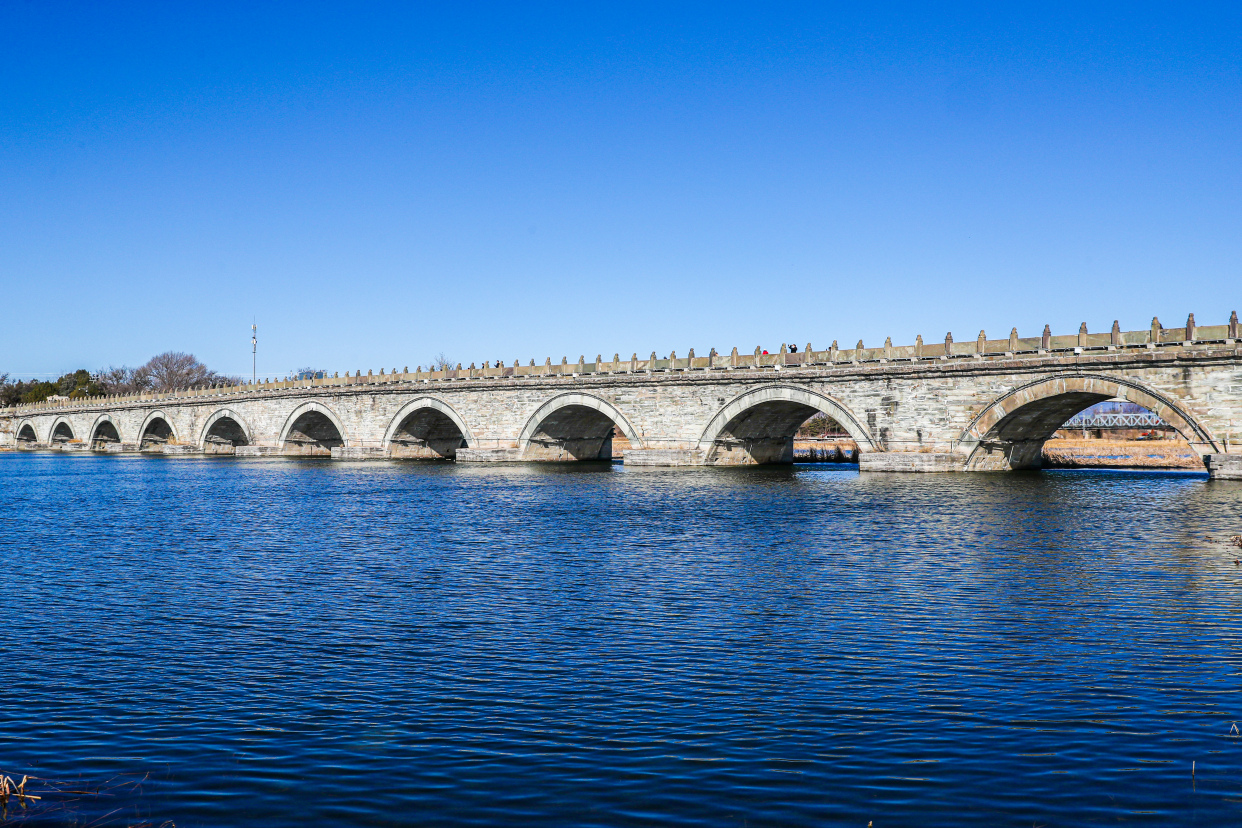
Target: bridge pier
x,y
1224,466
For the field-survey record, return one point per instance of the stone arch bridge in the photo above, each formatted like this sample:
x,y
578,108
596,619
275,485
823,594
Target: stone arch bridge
x,y
978,405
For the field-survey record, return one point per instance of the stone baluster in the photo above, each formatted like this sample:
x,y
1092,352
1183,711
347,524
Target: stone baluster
x,y
918,346
1045,339
1115,335
734,358
1154,336
1082,335
948,344
981,344
1233,325
1013,340
832,352
1190,328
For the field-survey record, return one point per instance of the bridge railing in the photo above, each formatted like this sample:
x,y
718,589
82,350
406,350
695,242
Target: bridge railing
x,y
979,348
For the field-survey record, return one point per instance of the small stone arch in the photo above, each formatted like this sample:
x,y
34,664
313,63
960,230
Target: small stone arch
x,y
758,425
61,431
574,426
311,429
104,431
223,432
1010,432
424,429
156,431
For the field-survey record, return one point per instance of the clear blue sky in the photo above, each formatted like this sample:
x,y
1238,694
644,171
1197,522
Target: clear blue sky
x,y
377,185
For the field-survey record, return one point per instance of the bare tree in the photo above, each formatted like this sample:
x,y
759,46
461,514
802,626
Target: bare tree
x,y
123,380
165,372
173,369
441,363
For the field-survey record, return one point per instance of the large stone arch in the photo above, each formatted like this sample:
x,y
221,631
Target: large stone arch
x,y
758,426
317,439
571,426
215,438
1010,432
61,431
423,428
104,430
151,434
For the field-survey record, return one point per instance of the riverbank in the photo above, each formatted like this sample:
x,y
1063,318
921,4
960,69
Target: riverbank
x,y
1107,453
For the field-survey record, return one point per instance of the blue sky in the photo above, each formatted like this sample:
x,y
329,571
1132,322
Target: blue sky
x,y
378,185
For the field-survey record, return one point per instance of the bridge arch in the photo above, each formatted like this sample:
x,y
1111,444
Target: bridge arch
x,y
25,435
61,431
574,426
427,428
223,432
758,426
311,429
156,431
1010,432
104,431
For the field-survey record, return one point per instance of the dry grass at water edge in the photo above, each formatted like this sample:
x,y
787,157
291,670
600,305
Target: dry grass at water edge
x,y
61,802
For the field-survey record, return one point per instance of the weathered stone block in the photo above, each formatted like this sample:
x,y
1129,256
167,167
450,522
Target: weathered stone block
x,y
664,457
910,461
256,451
359,453
491,455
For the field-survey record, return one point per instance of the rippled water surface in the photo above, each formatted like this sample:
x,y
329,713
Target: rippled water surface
x,y
286,642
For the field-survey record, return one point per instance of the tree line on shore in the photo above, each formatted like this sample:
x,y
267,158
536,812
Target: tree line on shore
x,y
166,372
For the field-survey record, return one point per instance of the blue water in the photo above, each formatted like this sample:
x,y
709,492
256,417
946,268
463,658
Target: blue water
x,y
278,642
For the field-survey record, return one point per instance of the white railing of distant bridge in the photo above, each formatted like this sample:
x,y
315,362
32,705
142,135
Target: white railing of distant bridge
x,y
1115,419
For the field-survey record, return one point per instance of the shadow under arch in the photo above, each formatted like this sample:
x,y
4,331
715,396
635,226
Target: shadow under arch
x,y
223,432
574,426
104,432
758,426
61,431
155,432
1010,433
311,429
427,429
